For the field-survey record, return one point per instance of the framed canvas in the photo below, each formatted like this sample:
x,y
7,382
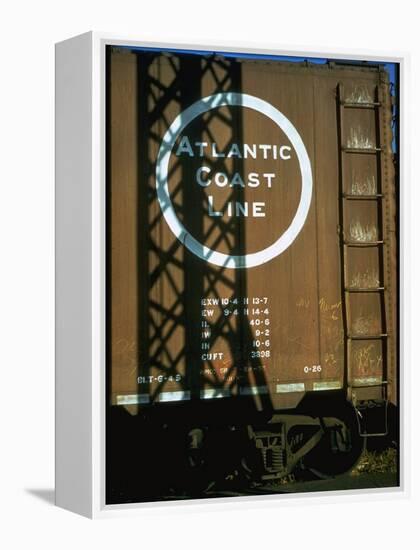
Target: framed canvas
x,y
228,268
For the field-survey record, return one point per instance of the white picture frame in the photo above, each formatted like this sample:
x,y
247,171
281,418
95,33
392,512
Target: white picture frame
x,y
80,273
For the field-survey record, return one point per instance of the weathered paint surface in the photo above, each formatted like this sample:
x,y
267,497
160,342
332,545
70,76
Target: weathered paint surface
x,y
182,328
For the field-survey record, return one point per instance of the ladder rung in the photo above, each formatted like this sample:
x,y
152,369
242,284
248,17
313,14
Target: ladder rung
x,y
366,336
360,105
363,244
360,289
362,150
350,197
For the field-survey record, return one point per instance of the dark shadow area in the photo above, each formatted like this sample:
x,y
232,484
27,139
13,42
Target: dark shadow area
x,y
47,495
173,281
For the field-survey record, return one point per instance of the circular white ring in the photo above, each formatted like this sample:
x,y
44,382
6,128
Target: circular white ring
x,y
162,189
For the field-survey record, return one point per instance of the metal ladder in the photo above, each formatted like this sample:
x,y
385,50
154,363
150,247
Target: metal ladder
x,y
344,110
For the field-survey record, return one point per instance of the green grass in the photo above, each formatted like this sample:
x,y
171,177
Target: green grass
x,y
372,462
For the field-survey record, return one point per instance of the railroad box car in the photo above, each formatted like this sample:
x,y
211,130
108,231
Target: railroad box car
x,y
251,266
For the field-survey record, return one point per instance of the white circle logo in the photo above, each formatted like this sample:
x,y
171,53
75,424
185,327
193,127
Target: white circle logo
x,y
162,166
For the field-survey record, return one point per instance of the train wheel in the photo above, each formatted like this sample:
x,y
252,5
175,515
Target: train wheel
x,y
337,452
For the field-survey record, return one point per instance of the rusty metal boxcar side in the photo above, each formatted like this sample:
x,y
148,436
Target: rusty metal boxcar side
x,y
322,313
251,266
